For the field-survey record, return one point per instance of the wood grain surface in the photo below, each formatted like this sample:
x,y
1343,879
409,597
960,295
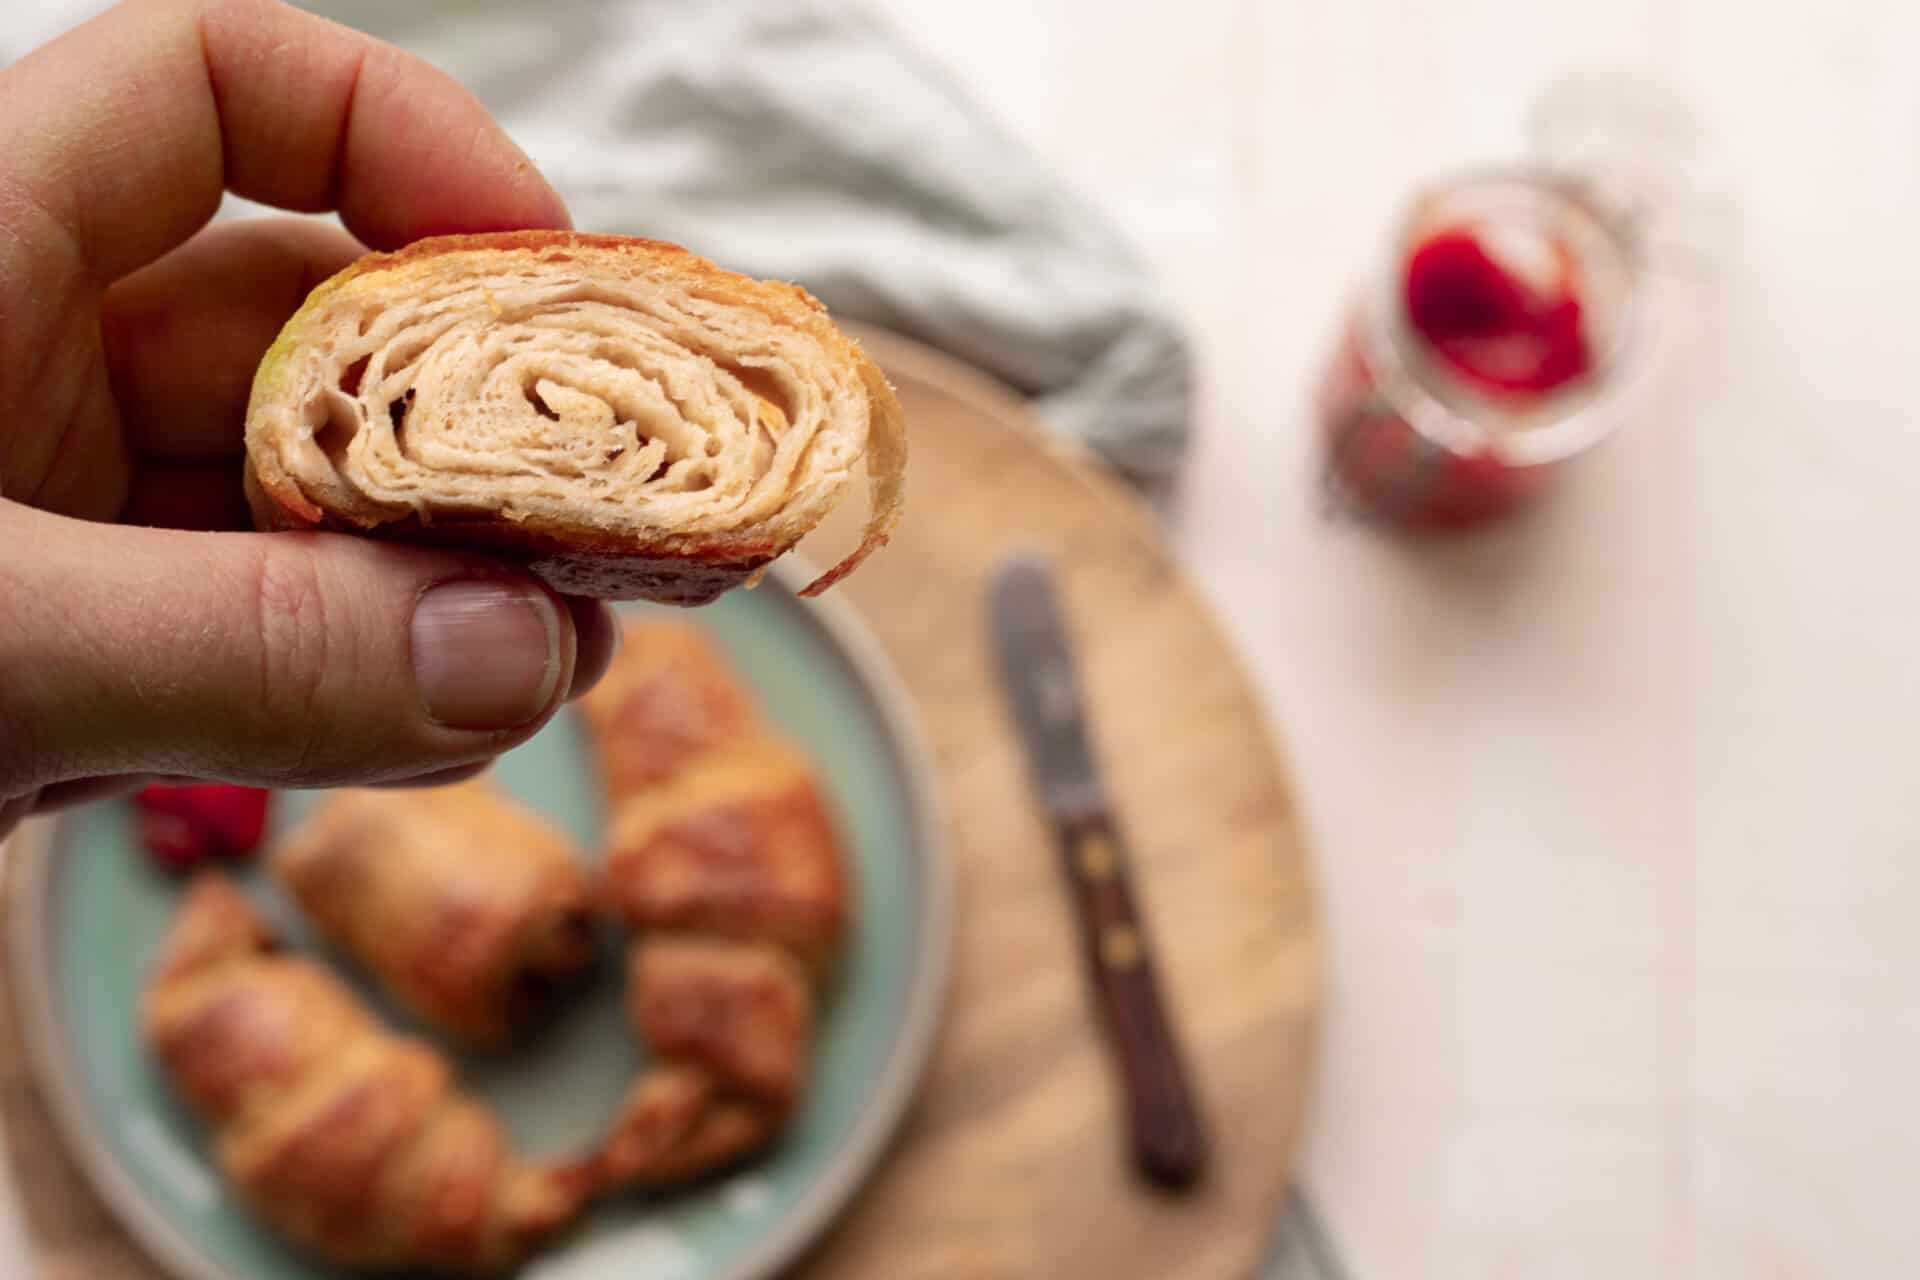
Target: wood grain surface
x,y
1013,1161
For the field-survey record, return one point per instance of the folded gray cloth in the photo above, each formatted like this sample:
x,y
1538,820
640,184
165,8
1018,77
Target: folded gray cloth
x,y
803,141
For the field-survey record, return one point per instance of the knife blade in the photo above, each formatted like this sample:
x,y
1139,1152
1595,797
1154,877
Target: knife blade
x,y
1037,674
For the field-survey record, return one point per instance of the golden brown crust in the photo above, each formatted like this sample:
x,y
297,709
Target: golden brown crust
x,y
666,700
221,925
470,909
232,1039
352,1143
724,860
740,845
660,1111
577,554
741,1011
675,1126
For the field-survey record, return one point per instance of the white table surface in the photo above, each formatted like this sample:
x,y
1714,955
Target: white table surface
x,y
1616,809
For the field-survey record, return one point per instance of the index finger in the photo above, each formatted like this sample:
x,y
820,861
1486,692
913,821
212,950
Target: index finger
x,y
142,117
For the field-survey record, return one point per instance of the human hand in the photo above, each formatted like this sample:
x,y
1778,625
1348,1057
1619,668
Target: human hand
x,y
137,638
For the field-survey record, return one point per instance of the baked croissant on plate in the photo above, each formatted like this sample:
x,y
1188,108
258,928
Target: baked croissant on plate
x,y
668,699
628,418
725,862
472,911
351,1142
739,846
730,1027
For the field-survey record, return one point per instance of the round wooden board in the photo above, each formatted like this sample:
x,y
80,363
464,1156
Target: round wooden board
x,y
1012,1163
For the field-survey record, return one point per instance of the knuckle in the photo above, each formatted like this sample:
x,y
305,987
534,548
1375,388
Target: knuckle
x,y
293,619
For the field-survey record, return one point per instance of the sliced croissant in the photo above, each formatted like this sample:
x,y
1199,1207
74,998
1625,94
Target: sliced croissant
x,y
630,419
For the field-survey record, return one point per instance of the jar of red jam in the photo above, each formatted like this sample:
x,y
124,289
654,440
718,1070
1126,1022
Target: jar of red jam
x,y
1492,348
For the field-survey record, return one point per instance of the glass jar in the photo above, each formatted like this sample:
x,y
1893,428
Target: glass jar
x,y
1492,345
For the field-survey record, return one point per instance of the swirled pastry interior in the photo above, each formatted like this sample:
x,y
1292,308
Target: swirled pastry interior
x,y
629,418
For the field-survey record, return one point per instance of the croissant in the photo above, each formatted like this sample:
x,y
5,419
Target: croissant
x,y
730,1025
628,418
351,1142
724,860
739,846
667,699
472,911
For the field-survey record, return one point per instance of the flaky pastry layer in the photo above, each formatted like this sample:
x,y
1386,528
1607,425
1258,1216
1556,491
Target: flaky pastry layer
x,y
627,417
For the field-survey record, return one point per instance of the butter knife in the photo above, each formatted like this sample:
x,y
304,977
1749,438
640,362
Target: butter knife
x,y
1036,667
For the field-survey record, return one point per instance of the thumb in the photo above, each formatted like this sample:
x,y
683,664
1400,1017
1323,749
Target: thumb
x,y
276,659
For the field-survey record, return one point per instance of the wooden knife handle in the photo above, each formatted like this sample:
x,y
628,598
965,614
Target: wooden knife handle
x,y
1169,1141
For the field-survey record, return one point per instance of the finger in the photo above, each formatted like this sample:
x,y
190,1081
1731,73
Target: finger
x,y
184,335
192,496
143,115
440,777
64,795
596,640
271,659
14,809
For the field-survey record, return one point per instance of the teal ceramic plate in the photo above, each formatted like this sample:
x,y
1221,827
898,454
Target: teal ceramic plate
x,y
89,910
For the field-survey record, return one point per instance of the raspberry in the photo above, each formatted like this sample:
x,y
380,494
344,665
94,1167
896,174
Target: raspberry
x,y
185,825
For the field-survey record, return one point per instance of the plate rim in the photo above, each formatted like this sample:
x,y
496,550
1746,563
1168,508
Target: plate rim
x,y
47,1037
